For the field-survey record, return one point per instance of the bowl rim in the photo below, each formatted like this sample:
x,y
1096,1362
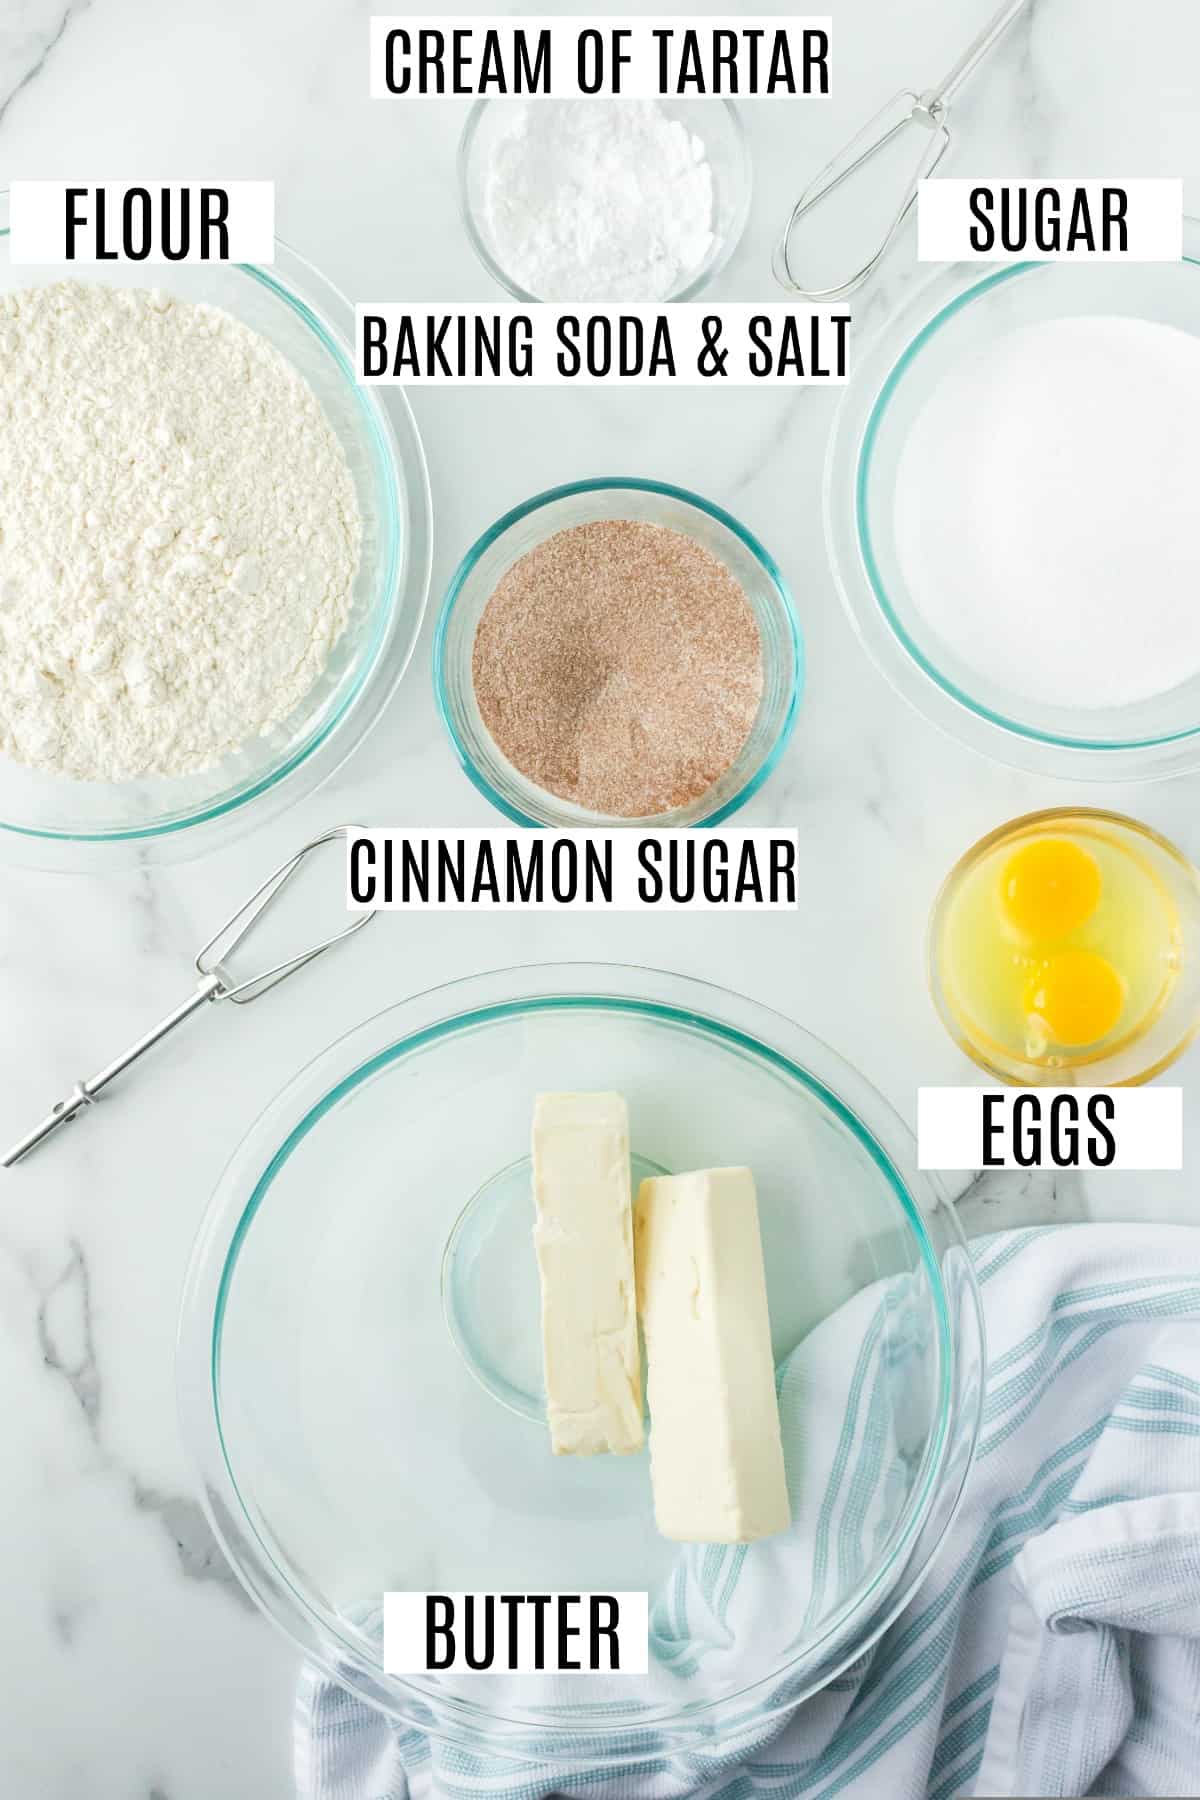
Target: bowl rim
x,y
405,562
733,1019
717,260
889,354
619,484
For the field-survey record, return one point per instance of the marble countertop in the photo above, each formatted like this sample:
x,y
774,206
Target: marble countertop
x,y
134,1666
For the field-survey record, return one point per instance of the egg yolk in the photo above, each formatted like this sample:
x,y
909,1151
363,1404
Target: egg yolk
x,y
1078,996
1049,887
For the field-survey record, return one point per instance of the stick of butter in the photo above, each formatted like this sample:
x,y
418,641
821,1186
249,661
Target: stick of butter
x,y
584,1242
716,1458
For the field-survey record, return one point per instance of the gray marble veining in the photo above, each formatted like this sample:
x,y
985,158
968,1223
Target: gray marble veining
x,y
27,44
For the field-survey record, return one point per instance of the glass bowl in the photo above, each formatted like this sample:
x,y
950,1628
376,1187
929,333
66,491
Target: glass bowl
x,y
716,122
612,497
359,1358
53,821
1139,1055
957,312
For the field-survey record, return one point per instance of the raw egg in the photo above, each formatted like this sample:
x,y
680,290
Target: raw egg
x,y
1049,887
1078,996
1053,947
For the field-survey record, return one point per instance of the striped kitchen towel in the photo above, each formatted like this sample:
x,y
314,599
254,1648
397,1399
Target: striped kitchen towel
x,y
1055,1646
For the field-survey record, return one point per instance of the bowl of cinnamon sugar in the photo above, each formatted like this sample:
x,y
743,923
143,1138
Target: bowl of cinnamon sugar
x,y
618,652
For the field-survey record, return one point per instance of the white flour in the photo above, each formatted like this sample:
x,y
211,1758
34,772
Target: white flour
x,y
179,533
1045,511
598,200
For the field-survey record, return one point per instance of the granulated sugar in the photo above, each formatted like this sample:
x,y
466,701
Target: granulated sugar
x,y
1045,511
618,665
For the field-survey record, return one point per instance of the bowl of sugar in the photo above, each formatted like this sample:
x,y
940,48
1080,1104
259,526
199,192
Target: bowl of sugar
x,y
1009,508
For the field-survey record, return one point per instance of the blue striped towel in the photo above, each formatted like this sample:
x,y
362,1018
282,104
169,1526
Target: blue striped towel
x,y
1055,1647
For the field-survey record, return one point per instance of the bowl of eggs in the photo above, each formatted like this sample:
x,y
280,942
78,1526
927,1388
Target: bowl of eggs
x,y
1061,950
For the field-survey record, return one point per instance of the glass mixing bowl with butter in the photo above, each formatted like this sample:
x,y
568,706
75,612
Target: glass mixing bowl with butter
x,y
417,1282
1063,947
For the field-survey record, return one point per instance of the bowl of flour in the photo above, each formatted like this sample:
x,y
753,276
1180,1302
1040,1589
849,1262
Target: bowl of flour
x,y
213,554
595,199
1010,496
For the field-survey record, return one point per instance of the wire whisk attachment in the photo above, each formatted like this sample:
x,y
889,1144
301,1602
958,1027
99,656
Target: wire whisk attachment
x,y
921,115
214,981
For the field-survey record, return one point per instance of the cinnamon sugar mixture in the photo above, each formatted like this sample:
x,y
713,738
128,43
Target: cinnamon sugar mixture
x,y
618,665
